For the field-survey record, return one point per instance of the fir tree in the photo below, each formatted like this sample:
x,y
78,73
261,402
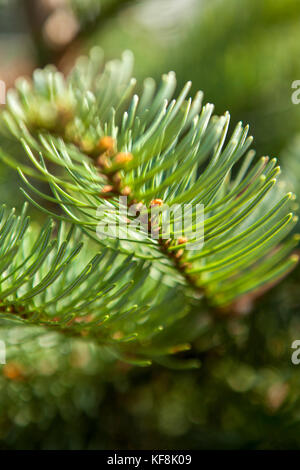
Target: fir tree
x,y
90,139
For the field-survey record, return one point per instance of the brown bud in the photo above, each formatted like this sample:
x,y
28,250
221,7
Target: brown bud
x,y
13,371
179,254
126,191
182,240
156,202
106,145
102,161
117,180
123,158
107,189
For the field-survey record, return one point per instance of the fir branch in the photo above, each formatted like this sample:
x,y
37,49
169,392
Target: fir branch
x,y
64,284
155,150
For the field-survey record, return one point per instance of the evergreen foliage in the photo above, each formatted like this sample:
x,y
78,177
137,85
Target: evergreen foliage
x,y
90,139
78,312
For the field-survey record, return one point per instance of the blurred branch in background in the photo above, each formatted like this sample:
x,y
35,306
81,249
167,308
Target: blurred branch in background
x,y
60,27
56,31
15,45
34,33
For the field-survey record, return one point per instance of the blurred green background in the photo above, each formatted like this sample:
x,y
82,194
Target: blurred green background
x,y
58,393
